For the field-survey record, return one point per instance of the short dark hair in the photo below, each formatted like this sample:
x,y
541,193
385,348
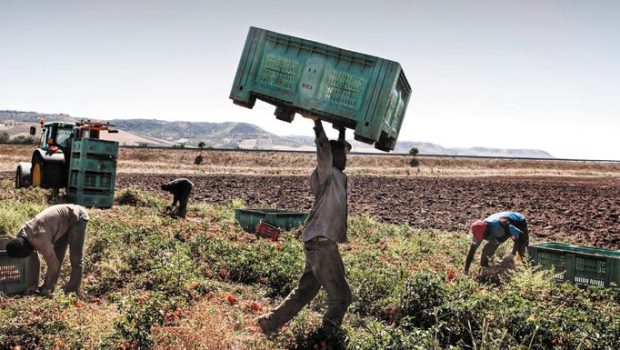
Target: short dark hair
x,y
19,248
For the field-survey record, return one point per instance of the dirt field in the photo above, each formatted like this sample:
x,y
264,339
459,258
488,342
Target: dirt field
x,y
181,161
574,201
585,211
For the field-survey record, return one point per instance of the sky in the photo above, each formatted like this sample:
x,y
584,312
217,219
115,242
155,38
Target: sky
x,y
540,74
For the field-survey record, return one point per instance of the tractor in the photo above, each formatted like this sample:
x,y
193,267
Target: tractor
x,y
51,164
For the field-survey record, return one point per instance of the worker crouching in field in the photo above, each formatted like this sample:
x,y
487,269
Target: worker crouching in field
x,y
50,232
325,227
180,189
496,229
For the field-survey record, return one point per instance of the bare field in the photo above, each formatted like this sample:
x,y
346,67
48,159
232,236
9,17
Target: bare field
x,y
181,161
574,201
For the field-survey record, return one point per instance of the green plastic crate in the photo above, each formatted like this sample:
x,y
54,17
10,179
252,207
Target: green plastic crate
x,y
91,198
95,146
284,219
102,163
579,264
365,93
17,275
91,180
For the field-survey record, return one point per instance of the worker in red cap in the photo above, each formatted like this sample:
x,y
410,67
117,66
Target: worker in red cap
x,y
496,229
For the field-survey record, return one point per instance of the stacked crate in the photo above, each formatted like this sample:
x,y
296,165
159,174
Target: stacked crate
x,y
92,172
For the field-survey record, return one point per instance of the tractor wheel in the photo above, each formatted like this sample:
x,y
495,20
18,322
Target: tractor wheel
x,y
37,172
18,178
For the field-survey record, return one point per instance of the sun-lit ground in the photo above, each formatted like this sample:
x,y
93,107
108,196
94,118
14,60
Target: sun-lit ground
x,y
175,161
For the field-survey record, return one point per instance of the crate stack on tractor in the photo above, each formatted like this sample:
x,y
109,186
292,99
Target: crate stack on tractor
x,y
92,170
72,156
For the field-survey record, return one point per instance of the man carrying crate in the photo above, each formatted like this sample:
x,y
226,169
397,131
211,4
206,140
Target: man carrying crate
x,y
325,227
496,229
50,232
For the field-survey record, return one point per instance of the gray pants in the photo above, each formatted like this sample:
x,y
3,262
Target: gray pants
x,y
74,238
324,268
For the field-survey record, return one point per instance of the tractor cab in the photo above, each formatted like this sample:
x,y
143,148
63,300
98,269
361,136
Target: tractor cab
x,y
55,137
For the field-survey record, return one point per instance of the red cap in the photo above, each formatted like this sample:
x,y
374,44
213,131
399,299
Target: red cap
x,y
478,228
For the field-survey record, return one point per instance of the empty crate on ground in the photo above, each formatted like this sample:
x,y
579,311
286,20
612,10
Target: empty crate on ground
x,y
582,265
249,219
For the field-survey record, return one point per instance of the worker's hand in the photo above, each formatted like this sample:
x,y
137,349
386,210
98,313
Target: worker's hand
x,y
310,116
514,239
342,133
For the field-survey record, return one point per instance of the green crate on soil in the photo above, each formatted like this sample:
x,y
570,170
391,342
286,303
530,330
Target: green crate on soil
x,y
95,146
284,219
91,198
581,265
366,93
17,275
92,180
93,162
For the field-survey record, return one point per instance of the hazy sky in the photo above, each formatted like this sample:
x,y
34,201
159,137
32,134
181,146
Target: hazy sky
x,y
510,74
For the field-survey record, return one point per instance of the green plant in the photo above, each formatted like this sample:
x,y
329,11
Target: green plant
x,y
139,315
378,335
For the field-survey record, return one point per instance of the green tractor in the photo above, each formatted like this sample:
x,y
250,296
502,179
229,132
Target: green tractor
x,y
71,156
47,167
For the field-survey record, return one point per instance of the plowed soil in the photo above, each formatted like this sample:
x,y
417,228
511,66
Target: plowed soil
x,y
585,211
582,210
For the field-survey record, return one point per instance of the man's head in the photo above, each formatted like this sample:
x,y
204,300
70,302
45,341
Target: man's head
x,y
165,187
339,153
477,229
18,248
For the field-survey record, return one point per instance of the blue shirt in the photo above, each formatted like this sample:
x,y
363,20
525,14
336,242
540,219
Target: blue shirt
x,y
496,229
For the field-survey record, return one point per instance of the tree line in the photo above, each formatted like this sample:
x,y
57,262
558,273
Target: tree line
x,y
20,139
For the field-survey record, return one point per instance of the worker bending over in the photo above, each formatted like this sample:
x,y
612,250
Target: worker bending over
x,y
180,189
50,232
496,229
325,227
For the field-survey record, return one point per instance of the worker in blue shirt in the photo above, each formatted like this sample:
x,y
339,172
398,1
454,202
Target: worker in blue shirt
x,y
496,229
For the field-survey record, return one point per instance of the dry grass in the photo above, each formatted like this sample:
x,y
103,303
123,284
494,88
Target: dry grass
x,y
181,161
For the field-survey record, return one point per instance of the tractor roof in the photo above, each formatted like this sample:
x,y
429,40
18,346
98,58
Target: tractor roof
x,y
60,124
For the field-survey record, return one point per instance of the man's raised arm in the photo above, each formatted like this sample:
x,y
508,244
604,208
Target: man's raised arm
x,y
323,152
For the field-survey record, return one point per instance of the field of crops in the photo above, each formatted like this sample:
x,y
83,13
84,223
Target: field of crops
x,y
155,282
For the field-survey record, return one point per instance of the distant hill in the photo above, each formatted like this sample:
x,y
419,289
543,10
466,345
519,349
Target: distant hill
x,y
233,135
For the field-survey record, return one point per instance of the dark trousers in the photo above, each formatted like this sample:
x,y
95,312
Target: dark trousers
x,y
324,268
